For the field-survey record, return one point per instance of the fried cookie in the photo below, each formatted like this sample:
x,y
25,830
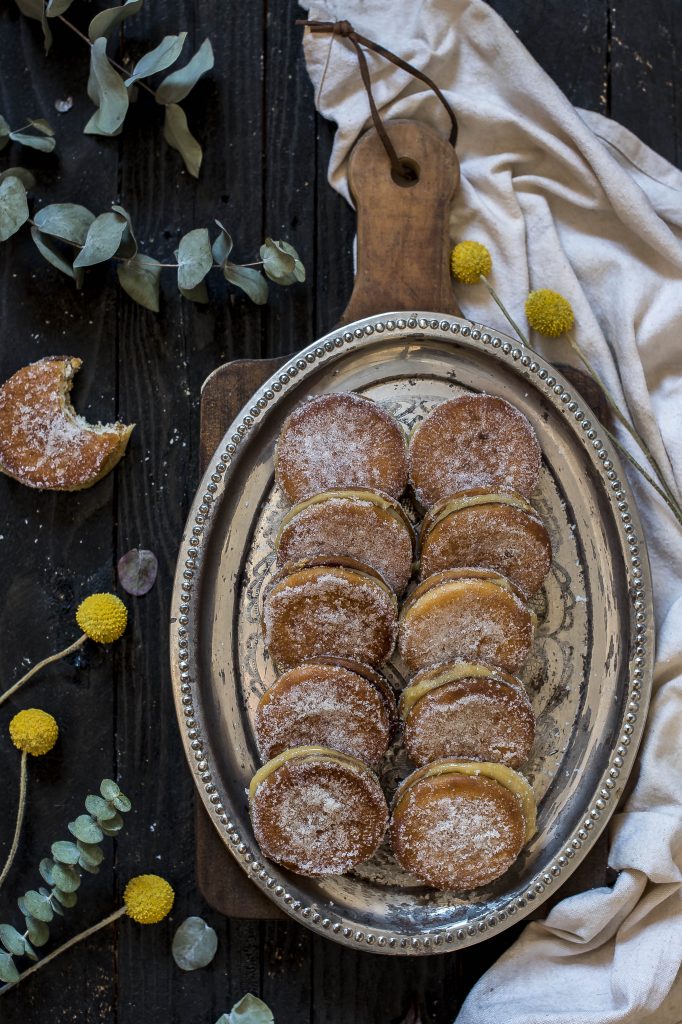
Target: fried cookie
x,y
340,440
458,825
357,523
467,710
473,441
338,704
341,609
497,530
465,614
317,811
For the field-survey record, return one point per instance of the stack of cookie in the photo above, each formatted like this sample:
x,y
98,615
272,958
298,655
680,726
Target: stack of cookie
x,y
345,555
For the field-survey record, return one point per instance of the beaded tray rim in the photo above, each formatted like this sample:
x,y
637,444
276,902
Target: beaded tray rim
x,y
187,585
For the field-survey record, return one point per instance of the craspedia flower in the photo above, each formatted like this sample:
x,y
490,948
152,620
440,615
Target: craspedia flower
x,y
34,731
148,898
549,313
468,260
102,617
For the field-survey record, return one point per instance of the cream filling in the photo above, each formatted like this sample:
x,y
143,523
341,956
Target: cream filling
x,y
356,494
302,753
467,670
507,777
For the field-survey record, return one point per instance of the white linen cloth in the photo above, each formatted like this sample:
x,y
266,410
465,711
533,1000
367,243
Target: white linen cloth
x,y
568,200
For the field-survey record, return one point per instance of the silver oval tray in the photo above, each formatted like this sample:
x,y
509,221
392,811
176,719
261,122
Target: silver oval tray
x,y
589,674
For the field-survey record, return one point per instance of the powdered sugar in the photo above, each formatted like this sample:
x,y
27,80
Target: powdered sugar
x,y
340,440
351,528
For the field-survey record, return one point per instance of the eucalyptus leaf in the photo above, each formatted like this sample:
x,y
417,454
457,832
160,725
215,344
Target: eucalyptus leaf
x,y
102,241
178,136
41,125
176,86
66,898
249,280
281,262
222,247
50,250
194,944
107,92
128,245
195,258
38,906
109,789
90,851
45,868
21,903
198,294
57,7
57,909
99,808
122,803
137,571
4,132
66,878
65,852
13,207
106,21
38,932
158,59
8,971
12,940
139,278
276,263
67,221
251,1010
113,826
29,951
24,176
42,142
36,9
299,269
85,829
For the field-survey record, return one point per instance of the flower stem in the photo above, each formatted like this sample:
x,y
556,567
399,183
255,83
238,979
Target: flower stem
x,y
504,309
621,417
673,506
119,67
67,945
41,664
23,775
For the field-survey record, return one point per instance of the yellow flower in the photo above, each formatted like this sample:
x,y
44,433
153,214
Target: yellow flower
x,y
549,313
148,898
34,731
468,260
102,617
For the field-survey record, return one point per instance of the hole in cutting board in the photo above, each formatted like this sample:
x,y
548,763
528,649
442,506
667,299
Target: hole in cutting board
x,y
410,173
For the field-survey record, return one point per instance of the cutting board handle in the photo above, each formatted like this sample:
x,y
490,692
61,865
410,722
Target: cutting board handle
x,y
403,229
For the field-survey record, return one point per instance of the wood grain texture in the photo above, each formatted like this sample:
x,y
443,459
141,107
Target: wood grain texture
x,y
403,227
265,171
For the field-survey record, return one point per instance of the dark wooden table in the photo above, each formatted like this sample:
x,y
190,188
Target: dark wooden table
x,y
265,168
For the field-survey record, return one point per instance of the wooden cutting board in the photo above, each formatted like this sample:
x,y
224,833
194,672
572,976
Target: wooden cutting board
x,y
222,882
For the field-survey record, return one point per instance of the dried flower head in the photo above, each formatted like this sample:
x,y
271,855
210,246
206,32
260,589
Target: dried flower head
x,y
102,617
468,260
549,313
148,898
34,731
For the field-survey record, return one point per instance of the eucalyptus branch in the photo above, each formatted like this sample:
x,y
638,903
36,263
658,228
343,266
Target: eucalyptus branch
x,y
62,873
110,91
